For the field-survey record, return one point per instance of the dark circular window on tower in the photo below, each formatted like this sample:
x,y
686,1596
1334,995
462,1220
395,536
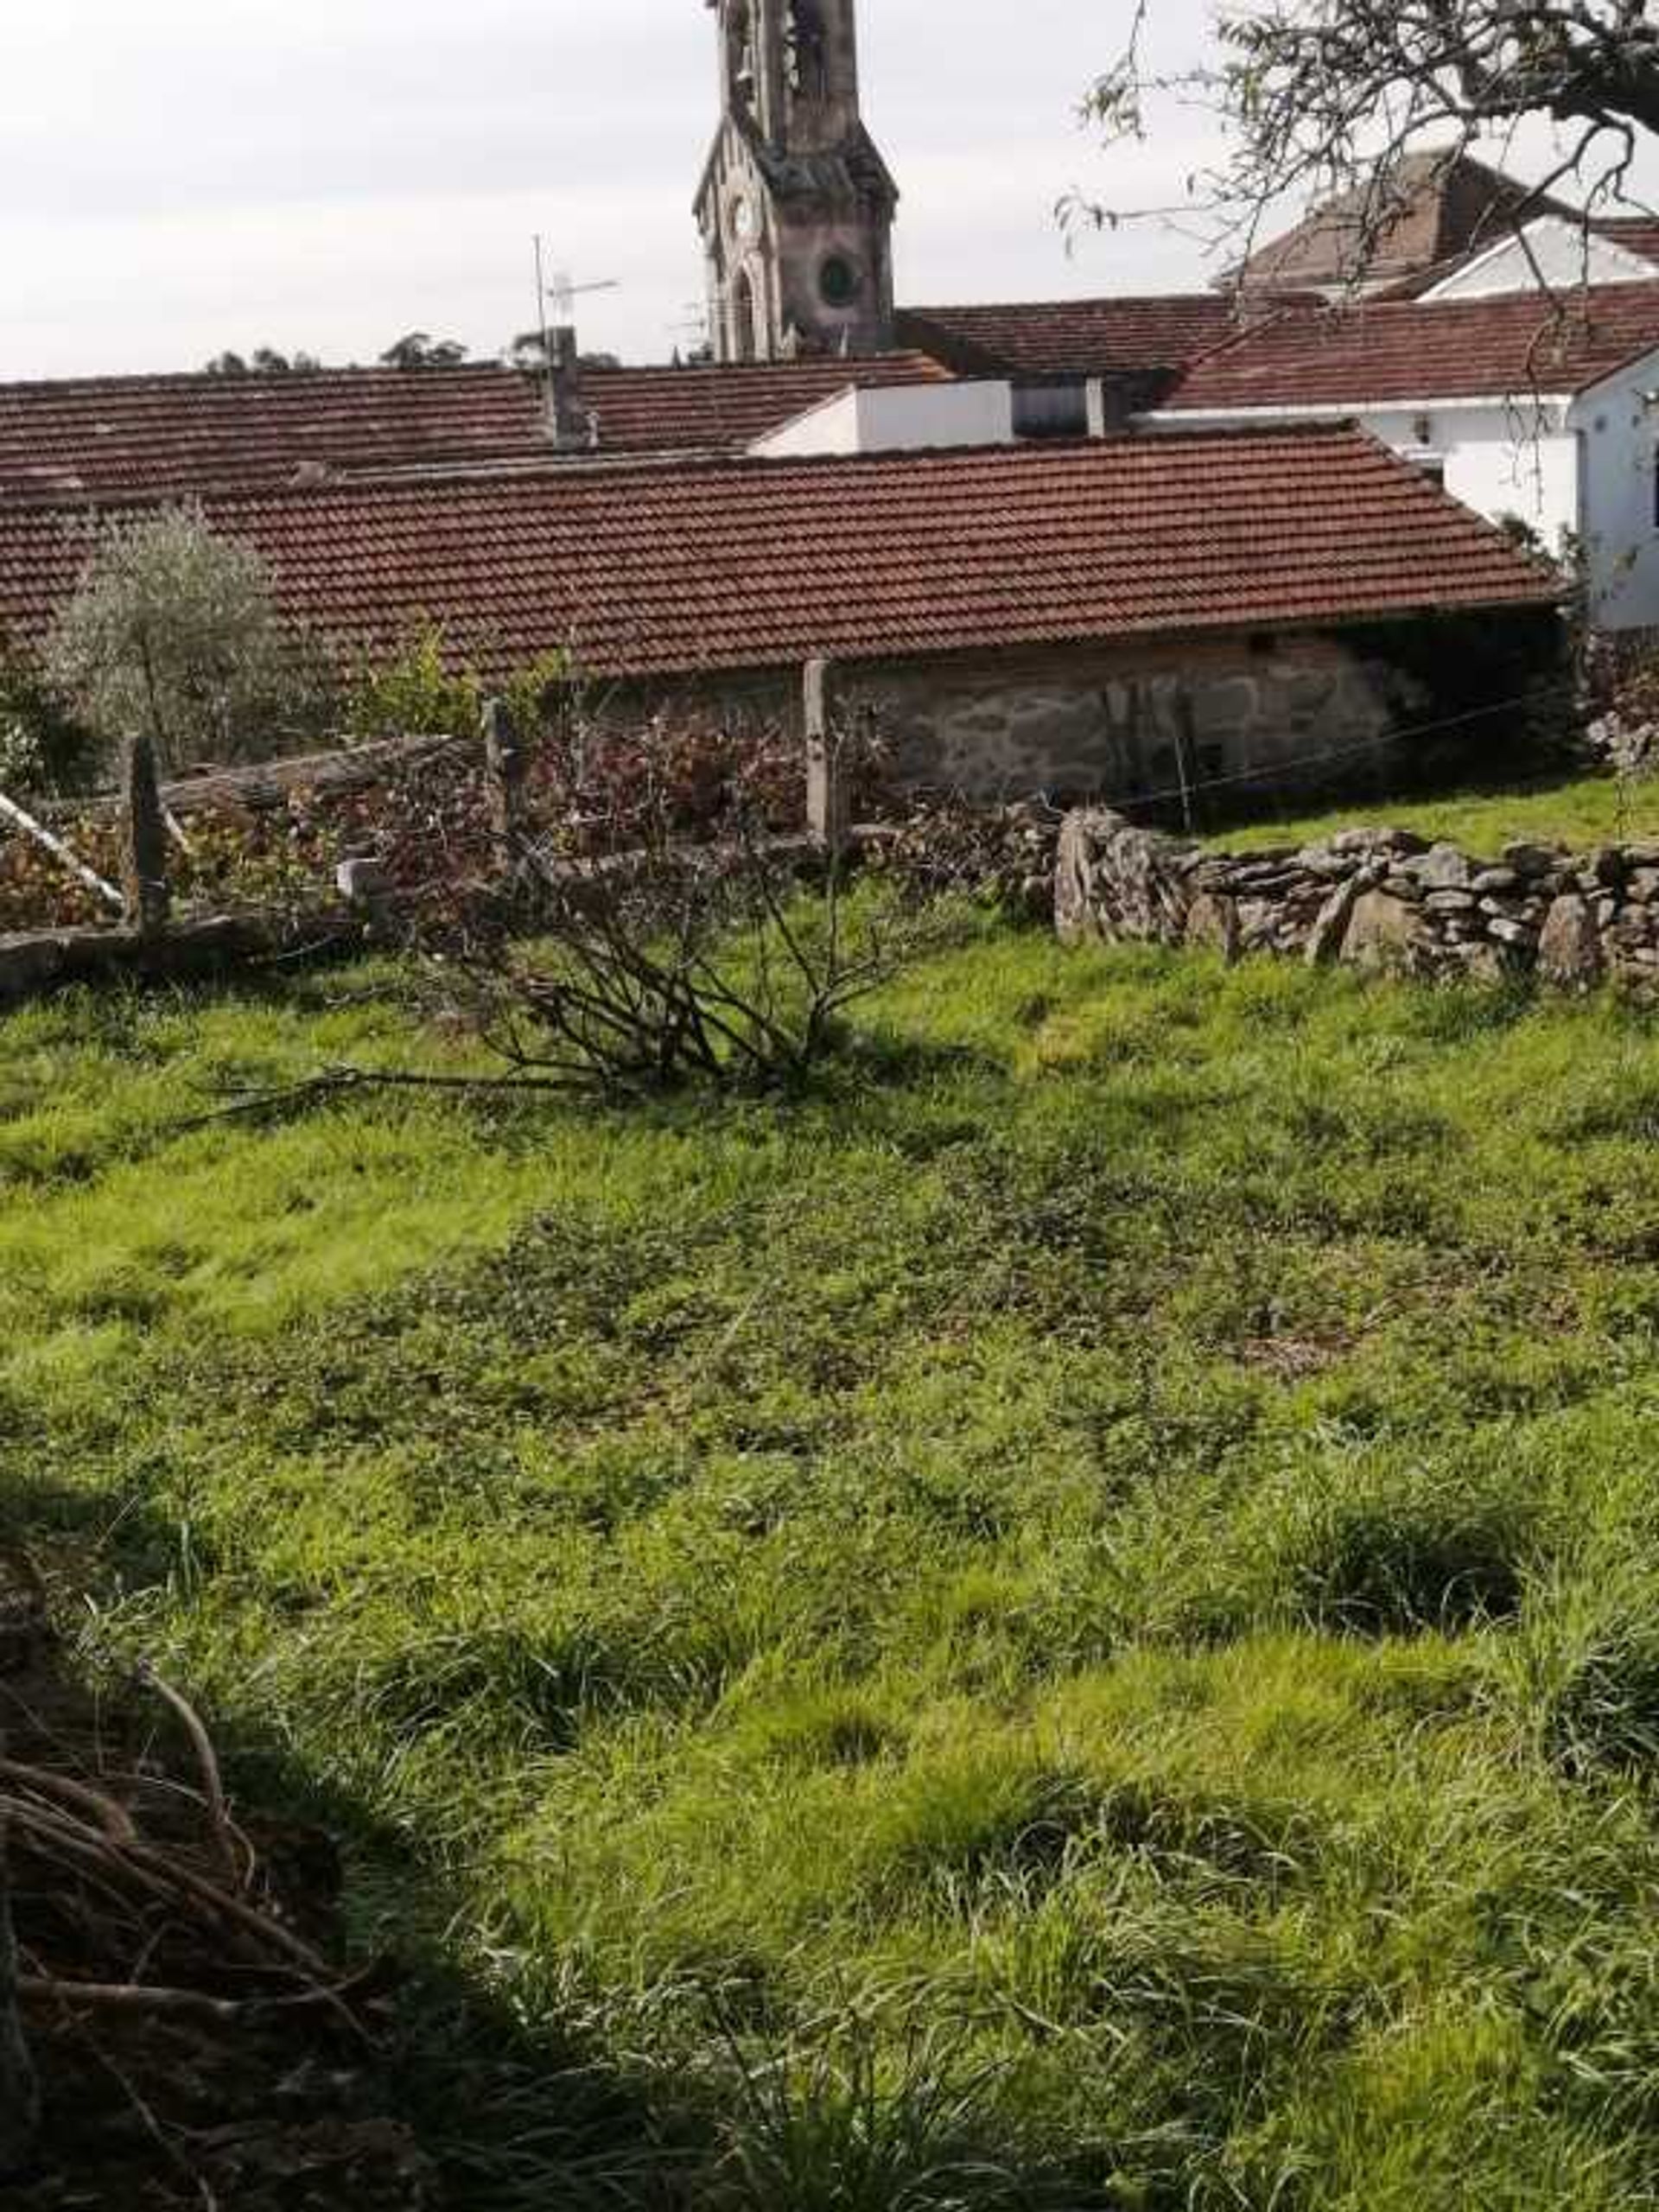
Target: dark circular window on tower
x,y
838,281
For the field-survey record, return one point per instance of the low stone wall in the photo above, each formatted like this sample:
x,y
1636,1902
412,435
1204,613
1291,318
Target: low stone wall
x,y
1381,899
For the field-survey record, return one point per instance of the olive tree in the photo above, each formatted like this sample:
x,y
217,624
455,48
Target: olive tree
x,y
174,629
1320,97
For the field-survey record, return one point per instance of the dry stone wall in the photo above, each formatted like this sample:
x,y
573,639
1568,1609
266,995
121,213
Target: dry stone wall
x,y
1381,899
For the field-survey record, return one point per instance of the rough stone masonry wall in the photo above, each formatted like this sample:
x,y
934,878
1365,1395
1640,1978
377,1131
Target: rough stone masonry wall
x,y
1375,899
1144,722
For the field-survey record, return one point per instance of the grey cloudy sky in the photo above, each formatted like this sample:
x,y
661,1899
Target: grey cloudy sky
x,y
183,176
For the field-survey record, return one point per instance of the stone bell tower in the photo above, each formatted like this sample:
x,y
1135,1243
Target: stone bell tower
x,y
796,205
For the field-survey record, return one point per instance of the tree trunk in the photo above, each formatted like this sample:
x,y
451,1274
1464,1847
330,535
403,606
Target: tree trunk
x,y
20,2097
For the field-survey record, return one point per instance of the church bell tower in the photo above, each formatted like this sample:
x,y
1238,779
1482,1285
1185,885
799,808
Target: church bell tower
x,y
796,205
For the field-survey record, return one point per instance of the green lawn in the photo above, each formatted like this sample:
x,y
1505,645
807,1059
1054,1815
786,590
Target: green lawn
x,y
1073,1623
1589,811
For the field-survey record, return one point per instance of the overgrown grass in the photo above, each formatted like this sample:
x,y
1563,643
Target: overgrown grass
x,y
1068,1622
1582,813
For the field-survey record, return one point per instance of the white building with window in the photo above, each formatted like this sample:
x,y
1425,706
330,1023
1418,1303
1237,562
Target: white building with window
x,y
1526,407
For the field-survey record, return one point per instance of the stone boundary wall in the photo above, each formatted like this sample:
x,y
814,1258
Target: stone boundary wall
x,y
1379,900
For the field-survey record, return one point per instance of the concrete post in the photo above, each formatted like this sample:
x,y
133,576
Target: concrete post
x,y
143,840
504,763
827,797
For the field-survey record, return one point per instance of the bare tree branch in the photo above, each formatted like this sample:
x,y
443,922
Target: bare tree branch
x,y
1322,97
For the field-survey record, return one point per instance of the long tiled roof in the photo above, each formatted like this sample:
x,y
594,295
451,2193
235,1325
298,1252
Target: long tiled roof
x,y
1412,352
1071,337
655,571
126,437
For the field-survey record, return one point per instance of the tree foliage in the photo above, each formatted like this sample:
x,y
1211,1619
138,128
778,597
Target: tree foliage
x,y
263,361
425,689
418,349
1316,96
174,629
44,750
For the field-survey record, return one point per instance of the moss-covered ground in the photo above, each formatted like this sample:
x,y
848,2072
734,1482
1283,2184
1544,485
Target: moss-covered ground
x,y
1072,1620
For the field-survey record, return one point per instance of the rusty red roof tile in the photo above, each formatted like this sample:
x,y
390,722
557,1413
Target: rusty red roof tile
x,y
127,437
660,571
1103,337
1429,208
1414,351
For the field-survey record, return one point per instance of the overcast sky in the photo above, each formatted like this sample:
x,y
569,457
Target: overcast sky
x,y
183,175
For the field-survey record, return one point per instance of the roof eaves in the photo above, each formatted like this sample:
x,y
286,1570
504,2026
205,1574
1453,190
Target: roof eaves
x,y
1619,368
1334,411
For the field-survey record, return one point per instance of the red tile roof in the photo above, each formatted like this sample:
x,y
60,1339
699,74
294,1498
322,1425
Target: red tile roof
x,y
1413,353
1638,234
1430,207
126,437
1071,337
655,571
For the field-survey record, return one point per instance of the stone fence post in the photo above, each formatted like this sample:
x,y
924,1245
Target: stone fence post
x,y
143,840
505,766
827,797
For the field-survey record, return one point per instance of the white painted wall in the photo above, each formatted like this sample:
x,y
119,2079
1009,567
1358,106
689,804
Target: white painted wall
x,y
1618,428
897,418
1560,251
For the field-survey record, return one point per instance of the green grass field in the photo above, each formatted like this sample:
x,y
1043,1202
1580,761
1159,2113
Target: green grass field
x,y
1592,810
1073,1622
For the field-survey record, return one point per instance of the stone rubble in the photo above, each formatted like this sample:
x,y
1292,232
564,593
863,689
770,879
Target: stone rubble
x,y
1375,899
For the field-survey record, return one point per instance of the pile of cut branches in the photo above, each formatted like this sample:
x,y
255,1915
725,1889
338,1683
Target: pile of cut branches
x,y
175,2032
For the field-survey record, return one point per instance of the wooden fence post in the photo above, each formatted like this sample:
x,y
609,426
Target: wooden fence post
x,y
504,763
143,840
827,808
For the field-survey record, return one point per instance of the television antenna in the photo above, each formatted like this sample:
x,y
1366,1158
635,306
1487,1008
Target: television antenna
x,y
562,292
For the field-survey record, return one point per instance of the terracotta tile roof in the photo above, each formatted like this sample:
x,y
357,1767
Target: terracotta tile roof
x,y
1416,351
126,437
1638,234
684,411
1071,337
751,564
1440,206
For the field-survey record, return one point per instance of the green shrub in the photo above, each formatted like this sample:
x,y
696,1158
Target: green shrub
x,y
44,750
423,689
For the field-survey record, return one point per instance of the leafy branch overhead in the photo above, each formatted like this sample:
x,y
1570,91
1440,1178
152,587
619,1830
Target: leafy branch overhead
x,y
1316,96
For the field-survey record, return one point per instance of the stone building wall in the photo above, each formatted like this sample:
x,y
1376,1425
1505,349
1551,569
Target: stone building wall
x,y
1380,899
1145,723
1223,720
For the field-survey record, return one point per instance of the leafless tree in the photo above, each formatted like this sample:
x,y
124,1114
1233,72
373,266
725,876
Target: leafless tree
x,y
653,965
1317,97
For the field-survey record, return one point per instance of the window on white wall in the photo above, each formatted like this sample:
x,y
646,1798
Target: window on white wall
x,y
1051,410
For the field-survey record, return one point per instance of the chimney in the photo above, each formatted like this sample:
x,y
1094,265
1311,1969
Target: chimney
x,y
569,424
